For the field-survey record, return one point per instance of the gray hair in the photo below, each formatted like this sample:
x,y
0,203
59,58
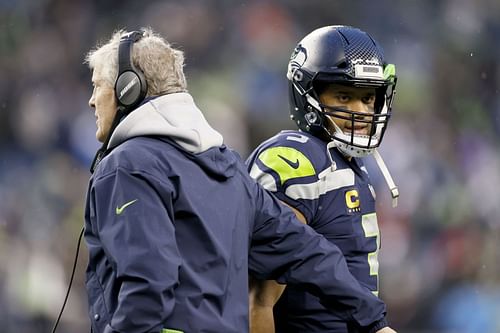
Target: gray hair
x,y
161,64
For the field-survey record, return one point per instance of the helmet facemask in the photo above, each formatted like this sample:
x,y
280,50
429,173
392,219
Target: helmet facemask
x,y
372,122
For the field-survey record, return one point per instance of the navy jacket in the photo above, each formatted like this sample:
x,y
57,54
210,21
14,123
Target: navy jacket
x,y
174,224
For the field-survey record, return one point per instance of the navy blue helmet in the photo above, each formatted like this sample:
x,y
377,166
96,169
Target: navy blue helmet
x,y
346,56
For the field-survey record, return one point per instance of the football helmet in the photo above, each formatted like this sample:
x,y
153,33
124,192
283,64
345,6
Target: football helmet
x,y
347,56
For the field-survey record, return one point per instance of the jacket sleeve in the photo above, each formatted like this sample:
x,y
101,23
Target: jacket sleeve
x,y
288,251
134,224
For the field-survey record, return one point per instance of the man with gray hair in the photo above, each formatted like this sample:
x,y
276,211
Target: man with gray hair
x,y
173,221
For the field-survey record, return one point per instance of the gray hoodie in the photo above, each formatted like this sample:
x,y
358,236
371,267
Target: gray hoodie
x,y
174,115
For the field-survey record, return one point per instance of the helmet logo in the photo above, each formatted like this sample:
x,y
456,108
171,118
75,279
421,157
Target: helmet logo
x,y
299,50
297,59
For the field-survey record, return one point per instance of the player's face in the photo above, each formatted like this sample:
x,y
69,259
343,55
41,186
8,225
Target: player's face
x,y
358,99
104,104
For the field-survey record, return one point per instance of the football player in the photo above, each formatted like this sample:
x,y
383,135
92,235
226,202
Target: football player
x,y
341,93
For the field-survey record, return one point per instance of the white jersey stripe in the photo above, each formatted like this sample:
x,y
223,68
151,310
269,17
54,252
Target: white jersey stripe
x,y
266,180
330,181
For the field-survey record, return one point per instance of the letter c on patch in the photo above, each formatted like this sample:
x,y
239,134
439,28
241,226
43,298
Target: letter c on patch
x,y
352,199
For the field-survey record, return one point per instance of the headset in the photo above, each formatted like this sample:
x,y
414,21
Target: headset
x,y
130,86
130,90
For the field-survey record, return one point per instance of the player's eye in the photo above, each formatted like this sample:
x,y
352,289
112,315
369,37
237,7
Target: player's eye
x,y
343,98
370,99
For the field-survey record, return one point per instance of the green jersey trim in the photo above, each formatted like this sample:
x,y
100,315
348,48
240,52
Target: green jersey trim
x,y
287,162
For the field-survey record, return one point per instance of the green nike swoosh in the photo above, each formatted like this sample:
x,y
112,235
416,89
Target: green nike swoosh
x,y
119,210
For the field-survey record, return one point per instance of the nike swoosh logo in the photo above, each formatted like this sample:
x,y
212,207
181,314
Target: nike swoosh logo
x,y
119,210
294,165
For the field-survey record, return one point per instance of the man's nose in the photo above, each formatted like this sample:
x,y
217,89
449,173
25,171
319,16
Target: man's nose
x,y
92,102
359,106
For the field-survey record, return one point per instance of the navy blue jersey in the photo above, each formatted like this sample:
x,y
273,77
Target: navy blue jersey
x,y
335,196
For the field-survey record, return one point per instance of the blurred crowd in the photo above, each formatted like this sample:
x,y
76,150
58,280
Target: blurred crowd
x,y
440,246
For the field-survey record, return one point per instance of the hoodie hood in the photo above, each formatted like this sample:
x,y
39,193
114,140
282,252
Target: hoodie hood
x,y
175,116
219,162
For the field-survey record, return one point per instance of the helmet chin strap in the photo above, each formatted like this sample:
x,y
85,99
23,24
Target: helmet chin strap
x,y
388,179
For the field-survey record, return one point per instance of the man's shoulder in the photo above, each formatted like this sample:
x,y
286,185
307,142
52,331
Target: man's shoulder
x,y
145,143
137,148
136,154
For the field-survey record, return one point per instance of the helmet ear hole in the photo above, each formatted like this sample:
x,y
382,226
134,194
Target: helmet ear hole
x,y
298,75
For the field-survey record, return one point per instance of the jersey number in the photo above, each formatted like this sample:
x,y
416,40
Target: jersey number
x,y
370,227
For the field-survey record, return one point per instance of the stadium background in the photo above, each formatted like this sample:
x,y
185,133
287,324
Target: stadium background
x,y
440,247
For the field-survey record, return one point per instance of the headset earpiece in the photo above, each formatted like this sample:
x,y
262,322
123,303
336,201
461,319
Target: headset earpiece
x,y
130,86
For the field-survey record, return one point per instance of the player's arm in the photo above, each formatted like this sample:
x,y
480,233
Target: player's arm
x,y
297,212
285,250
263,296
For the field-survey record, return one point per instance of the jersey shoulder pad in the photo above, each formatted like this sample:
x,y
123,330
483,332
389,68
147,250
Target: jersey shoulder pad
x,y
291,155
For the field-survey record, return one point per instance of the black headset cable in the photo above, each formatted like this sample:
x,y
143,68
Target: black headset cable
x,y
70,280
